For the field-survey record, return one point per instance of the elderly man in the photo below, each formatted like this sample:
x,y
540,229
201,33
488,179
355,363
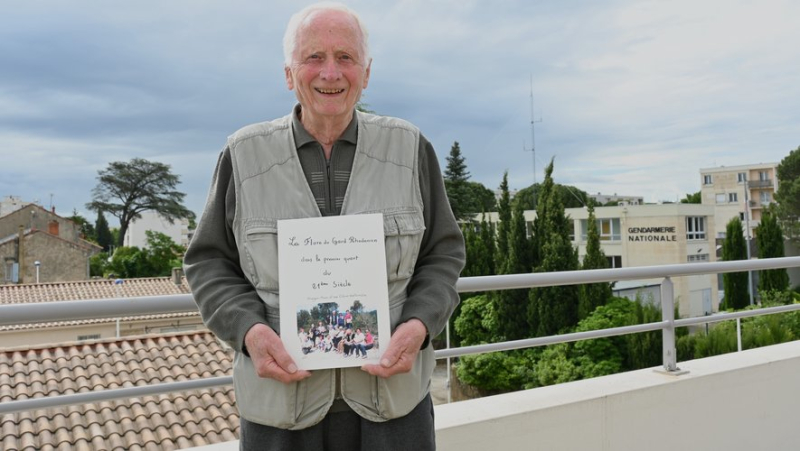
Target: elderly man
x,y
326,158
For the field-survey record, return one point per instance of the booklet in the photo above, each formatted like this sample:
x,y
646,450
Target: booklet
x,y
333,289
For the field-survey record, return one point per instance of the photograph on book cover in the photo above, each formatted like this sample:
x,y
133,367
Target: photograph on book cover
x,y
334,303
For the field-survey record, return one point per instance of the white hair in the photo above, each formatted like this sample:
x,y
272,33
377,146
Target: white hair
x,y
301,17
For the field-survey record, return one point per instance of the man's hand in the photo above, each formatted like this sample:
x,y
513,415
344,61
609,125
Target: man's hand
x,y
269,357
402,351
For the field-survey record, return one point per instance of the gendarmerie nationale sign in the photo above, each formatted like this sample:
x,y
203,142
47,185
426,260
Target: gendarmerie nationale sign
x,y
666,234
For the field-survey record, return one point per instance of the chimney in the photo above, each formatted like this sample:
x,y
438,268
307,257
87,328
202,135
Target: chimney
x,y
177,276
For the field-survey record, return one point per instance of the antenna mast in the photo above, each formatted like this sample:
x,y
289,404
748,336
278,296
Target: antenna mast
x,y
533,145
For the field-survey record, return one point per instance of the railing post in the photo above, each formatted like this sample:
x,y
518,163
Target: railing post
x,y
669,356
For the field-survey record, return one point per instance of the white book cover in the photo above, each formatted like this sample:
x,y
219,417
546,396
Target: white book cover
x,y
334,300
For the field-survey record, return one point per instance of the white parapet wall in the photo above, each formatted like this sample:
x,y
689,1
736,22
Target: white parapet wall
x,y
741,401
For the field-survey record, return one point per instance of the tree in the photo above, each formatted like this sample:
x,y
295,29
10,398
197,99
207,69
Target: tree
x,y
695,198
512,305
553,309
162,253
770,245
455,182
735,283
788,194
126,189
571,197
480,198
504,224
86,228
104,237
593,295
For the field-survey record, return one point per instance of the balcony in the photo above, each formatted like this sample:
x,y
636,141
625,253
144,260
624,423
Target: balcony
x,y
738,401
759,184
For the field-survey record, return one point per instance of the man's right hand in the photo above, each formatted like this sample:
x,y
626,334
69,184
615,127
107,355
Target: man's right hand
x,y
269,356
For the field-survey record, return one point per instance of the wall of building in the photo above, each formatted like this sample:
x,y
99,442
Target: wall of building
x,y
36,217
60,260
740,401
152,221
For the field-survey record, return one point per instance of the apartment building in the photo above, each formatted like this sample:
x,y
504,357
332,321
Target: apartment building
x,y
743,191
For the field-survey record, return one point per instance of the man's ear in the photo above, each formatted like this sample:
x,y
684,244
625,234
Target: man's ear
x,y
289,80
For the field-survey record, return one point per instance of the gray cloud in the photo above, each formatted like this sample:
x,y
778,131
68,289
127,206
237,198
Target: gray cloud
x,y
635,97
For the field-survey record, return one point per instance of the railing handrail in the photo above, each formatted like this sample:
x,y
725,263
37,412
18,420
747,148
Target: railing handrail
x,y
178,303
59,311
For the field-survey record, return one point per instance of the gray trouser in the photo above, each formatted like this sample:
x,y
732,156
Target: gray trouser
x,y
346,431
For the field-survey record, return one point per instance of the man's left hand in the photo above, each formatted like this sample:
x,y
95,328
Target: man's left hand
x,y
402,352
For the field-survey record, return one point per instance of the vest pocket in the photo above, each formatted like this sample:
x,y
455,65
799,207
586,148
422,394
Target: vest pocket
x,y
403,232
261,247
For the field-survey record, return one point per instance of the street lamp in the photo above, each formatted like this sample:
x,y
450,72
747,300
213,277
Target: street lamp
x,y
37,264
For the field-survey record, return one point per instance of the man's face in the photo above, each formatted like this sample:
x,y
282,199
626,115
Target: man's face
x,y
328,71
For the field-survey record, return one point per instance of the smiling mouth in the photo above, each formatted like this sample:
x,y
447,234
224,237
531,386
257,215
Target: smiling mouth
x,y
329,91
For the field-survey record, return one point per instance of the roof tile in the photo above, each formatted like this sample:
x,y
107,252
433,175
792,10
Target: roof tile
x,y
163,422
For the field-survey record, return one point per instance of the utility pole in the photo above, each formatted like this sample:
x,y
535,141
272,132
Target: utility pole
x,y
532,150
747,235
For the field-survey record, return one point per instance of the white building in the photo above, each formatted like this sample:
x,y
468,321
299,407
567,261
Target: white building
x,y
650,235
10,204
742,191
152,221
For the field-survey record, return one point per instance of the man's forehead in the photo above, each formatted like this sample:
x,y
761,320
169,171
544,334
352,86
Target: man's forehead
x,y
325,24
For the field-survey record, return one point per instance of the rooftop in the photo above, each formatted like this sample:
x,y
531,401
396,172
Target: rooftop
x,y
162,422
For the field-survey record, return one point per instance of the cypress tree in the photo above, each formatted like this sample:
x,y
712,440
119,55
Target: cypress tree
x,y
513,304
553,309
104,237
593,295
734,247
770,245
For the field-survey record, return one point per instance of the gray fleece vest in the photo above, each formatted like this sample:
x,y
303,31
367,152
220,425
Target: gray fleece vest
x,y
270,185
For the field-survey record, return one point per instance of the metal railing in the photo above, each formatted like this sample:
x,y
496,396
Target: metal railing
x,y
112,308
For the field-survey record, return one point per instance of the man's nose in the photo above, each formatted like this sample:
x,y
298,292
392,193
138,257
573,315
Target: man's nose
x,y
330,70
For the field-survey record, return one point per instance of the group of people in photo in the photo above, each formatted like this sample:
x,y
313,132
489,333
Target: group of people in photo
x,y
337,336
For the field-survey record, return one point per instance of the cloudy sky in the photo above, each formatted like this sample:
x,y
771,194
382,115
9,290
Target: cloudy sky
x,y
634,97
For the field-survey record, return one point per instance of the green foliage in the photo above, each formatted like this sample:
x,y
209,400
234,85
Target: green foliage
x,y
497,371
477,321
103,234
571,197
512,305
695,198
157,260
788,194
162,253
86,228
595,294
504,225
553,309
770,245
455,182
480,198
126,189
734,247
602,356
98,264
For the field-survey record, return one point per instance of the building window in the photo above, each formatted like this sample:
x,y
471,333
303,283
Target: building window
x,y
741,177
741,216
697,258
707,179
733,197
89,337
765,198
763,176
11,271
721,198
695,228
609,229
614,261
